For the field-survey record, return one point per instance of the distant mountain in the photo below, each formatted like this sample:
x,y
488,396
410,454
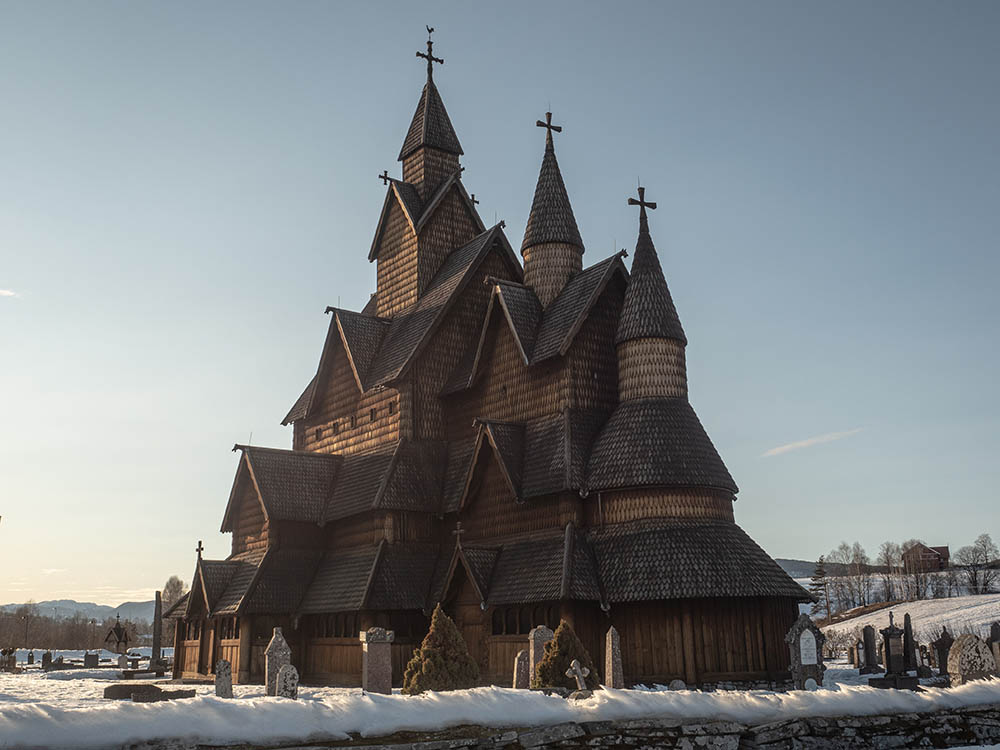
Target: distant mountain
x,y
61,608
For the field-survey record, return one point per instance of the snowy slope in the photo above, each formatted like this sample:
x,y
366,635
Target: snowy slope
x,y
962,614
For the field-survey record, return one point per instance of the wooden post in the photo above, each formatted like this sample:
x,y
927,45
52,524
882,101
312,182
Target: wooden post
x,y
245,651
690,663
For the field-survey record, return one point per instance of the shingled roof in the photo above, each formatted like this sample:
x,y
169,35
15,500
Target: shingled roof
x,y
411,329
244,572
649,310
656,442
557,449
361,336
431,127
686,559
281,581
551,218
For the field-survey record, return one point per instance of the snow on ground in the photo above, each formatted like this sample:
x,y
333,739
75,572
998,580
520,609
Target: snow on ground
x,y
38,710
77,654
962,614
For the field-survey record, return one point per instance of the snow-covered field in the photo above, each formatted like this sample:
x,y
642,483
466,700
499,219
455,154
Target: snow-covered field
x,y
45,710
962,614
77,655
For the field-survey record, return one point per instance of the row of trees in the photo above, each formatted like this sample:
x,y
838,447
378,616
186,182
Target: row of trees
x,y
28,626
847,577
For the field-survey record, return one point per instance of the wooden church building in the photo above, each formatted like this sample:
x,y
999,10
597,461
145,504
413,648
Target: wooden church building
x,y
509,437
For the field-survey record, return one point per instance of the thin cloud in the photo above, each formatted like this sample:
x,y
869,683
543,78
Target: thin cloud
x,y
8,293
809,442
52,571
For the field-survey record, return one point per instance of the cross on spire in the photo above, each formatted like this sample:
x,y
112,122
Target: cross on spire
x,y
642,203
549,127
457,533
429,55
199,549
473,199
385,177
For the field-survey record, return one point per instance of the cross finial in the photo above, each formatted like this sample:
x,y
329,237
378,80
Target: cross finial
x,y
385,177
457,533
473,199
199,549
429,55
549,127
642,203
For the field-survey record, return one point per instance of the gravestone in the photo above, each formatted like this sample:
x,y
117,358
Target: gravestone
x,y
870,665
677,685
614,673
31,657
970,659
123,662
376,660
994,641
90,660
223,679
942,646
805,647
522,680
579,673
154,659
288,682
924,662
46,660
895,677
277,654
909,645
537,638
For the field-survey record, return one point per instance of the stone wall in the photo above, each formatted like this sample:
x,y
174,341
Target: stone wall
x,y
950,728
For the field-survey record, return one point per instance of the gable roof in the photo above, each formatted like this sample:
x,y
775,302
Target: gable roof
x,y
507,443
291,485
301,406
341,581
656,442
551,217
280,581
430,127
178,608
411,329
648,311
415,210
244,572
557,449
567,312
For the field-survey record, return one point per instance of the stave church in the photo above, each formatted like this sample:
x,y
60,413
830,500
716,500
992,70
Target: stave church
x,y
509,437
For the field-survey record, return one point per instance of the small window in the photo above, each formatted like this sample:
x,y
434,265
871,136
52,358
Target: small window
x,y
372,414
335,427
354,421
392,408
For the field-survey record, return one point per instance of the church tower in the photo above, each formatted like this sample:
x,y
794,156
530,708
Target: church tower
x,y
431,149
650,340
552,248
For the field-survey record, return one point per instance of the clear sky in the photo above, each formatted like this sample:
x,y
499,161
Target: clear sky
x,y
184,187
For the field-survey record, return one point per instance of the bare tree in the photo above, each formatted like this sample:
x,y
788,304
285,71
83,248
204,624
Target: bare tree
x,y
173,590
975,561
915,577
889,561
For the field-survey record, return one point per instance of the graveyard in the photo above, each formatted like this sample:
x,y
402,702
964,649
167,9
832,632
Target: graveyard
x,y
402,406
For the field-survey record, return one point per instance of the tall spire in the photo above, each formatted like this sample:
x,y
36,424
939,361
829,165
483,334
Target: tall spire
x,y
648,311
552,247
430,127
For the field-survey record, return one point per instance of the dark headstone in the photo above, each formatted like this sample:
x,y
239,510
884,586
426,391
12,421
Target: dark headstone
x,y
46,660
895,676
870,665
909,645
31,657
942,646
125,691
154,658
164,695
91,660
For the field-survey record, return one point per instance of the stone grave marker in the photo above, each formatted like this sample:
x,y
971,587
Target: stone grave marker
x,y
579,673
805,647
46,660
277,654
122,661
614,673
154,658
994,641
970,659
909,645
870,665
942,646
288,682
376,660
895,675
522,680
31,657
223,679
90,660
537,639
677,685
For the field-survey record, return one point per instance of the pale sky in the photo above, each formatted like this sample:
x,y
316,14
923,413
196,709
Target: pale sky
x,y
185,186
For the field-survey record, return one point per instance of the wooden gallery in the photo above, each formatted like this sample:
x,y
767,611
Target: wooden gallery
x,y
512,441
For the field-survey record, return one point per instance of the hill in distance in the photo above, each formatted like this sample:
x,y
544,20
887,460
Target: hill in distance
x,y
62,608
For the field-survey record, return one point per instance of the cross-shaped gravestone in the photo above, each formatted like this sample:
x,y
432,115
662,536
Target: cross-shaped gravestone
x,y
429,55
642,203
385,177
942,646
579,673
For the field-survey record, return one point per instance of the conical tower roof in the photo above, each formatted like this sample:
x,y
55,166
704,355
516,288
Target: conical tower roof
x,y
648,311
551,218
431,126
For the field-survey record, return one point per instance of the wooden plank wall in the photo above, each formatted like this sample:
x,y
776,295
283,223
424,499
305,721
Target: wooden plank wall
x,y
250,530
630,505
